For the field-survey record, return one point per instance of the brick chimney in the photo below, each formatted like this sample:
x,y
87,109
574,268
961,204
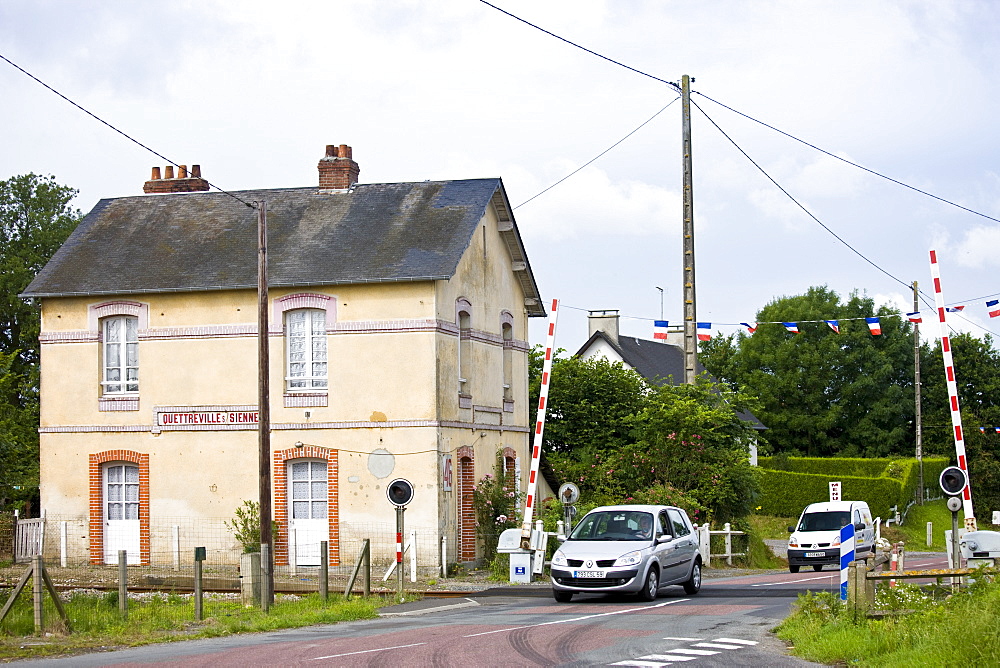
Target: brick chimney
x,y
337,169
183,183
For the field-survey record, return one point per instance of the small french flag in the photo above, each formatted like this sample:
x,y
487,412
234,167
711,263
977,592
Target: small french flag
x,y
915,317
834,325
994,309
874,326
998,429
750,327
954,309
704,331
660,329
792,327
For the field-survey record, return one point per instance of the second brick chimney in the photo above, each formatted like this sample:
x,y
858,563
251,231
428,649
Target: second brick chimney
x,y
184,183
337,169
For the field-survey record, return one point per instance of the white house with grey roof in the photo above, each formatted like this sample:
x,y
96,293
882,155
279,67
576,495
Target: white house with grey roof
x,y
398,344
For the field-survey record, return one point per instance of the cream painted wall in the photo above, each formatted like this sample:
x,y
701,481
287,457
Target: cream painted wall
x,y
385,367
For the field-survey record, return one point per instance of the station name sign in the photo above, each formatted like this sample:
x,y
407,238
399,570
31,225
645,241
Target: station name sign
x,y
207,418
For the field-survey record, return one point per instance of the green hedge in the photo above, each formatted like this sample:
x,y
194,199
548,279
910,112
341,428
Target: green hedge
x,y
882,483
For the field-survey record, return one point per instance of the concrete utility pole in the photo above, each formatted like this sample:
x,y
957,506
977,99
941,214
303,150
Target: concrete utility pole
x,y
264,414
916,398
690,310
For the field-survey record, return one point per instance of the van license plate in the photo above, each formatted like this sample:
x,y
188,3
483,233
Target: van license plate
x,y
588,574
815,554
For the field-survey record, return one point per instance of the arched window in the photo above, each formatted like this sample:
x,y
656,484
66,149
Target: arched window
x,y
463,317
120,354
305,336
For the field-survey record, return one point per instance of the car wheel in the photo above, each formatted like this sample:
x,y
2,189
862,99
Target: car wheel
x,y
817,567
562,596
652,586
793,568
693,585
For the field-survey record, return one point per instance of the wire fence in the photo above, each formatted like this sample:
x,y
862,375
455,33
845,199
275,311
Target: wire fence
x,y
165,559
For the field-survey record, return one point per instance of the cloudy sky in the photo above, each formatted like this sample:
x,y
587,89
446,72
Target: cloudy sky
x,y
452,89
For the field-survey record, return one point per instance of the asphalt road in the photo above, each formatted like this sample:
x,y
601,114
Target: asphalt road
x,y
726,624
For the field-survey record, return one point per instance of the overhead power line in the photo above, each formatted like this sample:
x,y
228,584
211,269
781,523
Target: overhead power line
x,y
599,155
852,164
121,132
672,84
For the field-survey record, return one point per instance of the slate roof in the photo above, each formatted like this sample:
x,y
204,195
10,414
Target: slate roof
x,y
182,242
656,362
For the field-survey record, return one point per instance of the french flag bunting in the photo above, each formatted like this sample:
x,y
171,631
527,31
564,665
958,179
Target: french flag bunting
x,y
704,331
834,325
660,329
992,305
751,327
874,326
915,317
954,309
998,429
982,430
792,327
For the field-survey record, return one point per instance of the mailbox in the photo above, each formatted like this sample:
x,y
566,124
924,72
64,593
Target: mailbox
x,y
521,561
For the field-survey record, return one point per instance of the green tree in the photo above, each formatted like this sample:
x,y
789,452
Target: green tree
x,y
824,393
977,377
35,219
622,439
691,438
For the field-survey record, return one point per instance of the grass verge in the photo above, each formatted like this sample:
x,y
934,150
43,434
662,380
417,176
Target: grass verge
x,y
97,623
941,629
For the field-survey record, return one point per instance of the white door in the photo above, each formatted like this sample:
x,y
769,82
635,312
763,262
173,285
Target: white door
x,y
121,512
309,524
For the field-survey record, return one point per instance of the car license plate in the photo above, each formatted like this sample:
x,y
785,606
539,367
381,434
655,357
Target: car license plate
x,y
588,574
815,554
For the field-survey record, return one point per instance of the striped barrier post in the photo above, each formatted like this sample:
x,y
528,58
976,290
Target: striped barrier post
x,y
956,414
536,441
846,556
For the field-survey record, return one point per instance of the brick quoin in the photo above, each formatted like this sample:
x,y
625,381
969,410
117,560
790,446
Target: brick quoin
x,y
97,501
280,478
466,511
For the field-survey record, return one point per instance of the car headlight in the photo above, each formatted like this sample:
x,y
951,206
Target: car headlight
x,y
793,541
559,559
630,559
836,542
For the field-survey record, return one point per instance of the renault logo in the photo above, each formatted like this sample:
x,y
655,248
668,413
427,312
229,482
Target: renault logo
x,y
589,563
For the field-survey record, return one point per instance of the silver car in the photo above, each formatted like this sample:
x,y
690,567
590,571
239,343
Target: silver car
x,y
628,549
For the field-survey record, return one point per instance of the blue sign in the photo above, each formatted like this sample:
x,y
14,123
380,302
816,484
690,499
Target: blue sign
x,y
519,570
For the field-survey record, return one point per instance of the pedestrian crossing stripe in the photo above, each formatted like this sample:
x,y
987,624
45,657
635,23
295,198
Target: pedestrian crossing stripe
x,y
686,653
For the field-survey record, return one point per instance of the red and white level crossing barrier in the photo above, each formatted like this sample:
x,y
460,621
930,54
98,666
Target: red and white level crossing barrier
x,y
956,414
536,441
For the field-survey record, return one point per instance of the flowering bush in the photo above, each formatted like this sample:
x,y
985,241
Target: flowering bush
x,y
497,504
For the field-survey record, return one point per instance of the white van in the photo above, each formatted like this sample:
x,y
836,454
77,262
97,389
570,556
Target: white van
x,y
815,540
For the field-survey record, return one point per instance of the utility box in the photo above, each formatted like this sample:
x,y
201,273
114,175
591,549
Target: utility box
x,y
520,560
979,547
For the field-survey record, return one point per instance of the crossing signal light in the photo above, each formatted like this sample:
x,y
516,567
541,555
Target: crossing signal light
x,y
953,480
400,492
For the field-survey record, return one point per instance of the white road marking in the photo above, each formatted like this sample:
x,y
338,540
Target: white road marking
x,y
683,639
367,651
784,582
696,652
668,657
642,664
578,619
717,645
736,641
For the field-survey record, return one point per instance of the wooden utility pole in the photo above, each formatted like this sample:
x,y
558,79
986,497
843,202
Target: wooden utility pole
x,y
264,413
916,398
690,310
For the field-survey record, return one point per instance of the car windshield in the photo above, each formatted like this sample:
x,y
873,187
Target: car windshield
x,y
829,521
614,525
